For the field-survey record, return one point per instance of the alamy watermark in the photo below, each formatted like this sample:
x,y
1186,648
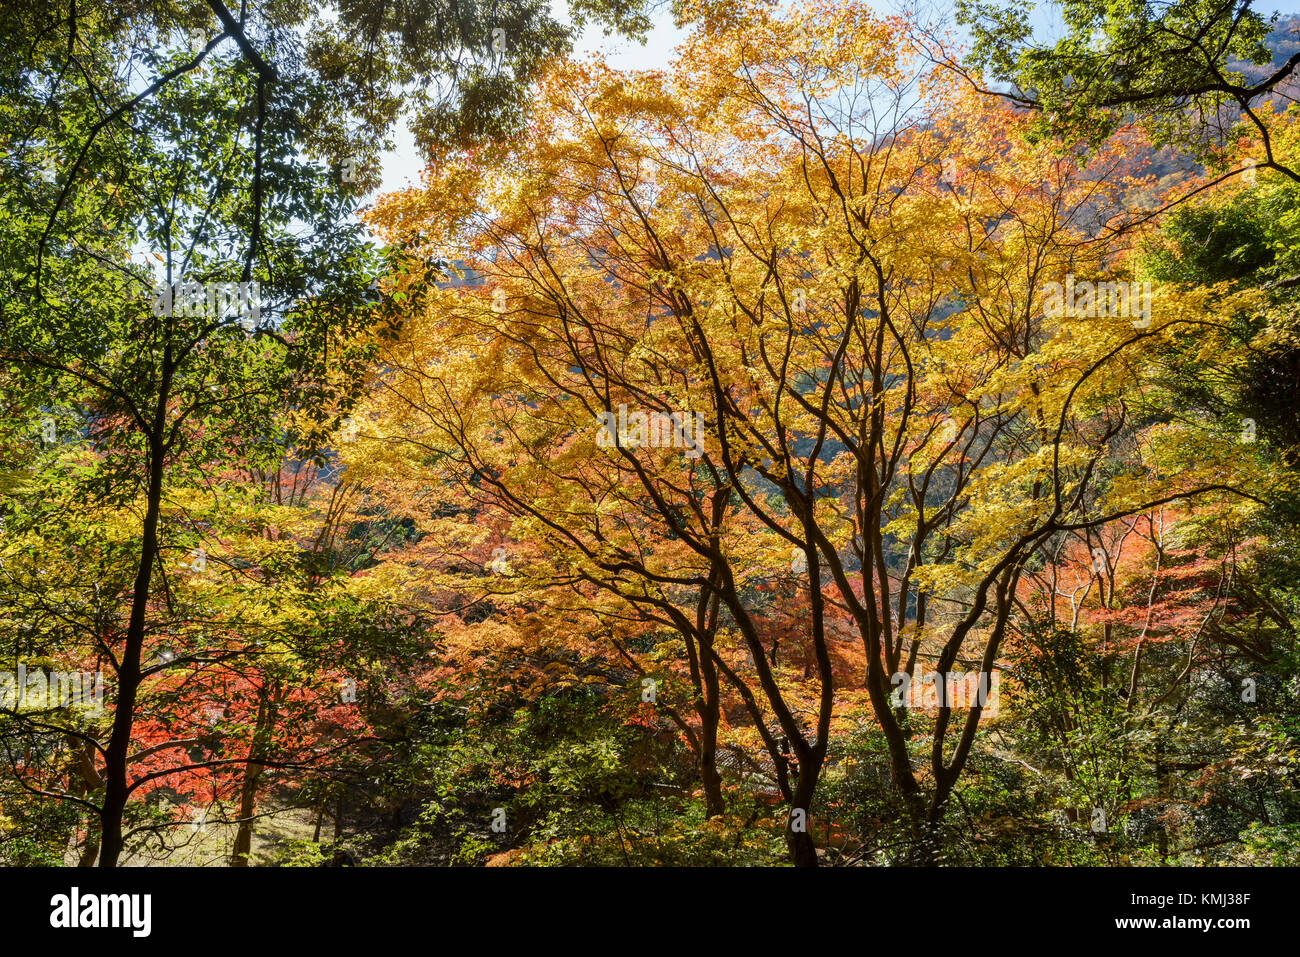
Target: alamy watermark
x,y
75,909
956,689
682,430
37,690
211,300
1091,300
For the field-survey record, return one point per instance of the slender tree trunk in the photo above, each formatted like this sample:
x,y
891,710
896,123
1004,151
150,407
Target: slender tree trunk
x,y
710,707
710,710
257,752
128,672
84,779
90,850
1162,835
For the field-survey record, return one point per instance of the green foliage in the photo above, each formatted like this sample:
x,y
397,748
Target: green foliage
x,y
577,782
1173,65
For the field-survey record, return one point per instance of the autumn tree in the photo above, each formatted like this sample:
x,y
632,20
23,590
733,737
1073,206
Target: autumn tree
x,y
850,287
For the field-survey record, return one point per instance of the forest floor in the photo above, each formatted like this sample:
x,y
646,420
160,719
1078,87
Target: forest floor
x,y
282,835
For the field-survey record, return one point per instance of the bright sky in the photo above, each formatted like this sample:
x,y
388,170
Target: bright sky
x,y
402,165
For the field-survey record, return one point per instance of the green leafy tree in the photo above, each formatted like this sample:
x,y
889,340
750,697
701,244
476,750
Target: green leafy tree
x,y
1180,67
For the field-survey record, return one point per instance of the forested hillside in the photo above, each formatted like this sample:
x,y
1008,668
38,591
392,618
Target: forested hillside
x,y
865,438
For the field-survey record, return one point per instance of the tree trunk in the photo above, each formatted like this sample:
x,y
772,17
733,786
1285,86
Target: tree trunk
x,y
257,752
708,703
803,850
128,672
710,709
709,777
84,779
90,850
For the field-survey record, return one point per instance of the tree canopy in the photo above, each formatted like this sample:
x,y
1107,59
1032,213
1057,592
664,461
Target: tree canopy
x,y
833,446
